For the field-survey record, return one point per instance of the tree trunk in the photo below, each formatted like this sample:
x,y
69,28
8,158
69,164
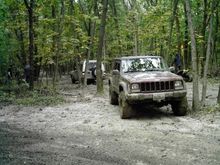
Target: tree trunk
x,y
186,41
196,105
135,36
135,44
204,25
178,32
53,50
58,41
30,8
78,69
22,54
218,98
114,9
208,54
214,57
91,35
175,5
100,88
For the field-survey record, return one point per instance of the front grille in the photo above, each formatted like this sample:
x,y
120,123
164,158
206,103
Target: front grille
x,y
157,86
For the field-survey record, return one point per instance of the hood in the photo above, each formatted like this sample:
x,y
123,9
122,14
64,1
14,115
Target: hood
x,y
151,76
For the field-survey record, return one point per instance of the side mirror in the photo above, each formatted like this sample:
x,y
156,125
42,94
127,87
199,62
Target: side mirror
x,y
115,72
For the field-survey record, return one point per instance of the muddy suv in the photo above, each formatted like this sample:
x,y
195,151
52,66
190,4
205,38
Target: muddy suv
x,y
145,80
91,72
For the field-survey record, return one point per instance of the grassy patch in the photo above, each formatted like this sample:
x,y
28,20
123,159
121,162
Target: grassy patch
x,y
214,80
20,95
206,110
6,98
36,98
211,109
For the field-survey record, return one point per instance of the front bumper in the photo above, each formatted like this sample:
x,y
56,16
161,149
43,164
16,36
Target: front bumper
x,y
134,98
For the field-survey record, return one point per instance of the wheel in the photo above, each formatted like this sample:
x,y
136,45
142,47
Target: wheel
x,y
180,108
113,97
125,108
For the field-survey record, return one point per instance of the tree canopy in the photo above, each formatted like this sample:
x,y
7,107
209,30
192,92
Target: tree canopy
x,y
64,31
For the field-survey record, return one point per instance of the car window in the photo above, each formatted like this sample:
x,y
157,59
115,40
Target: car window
x,y
91,65
143,64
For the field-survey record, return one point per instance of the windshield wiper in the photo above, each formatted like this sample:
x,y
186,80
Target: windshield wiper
x,y
130,71
155,70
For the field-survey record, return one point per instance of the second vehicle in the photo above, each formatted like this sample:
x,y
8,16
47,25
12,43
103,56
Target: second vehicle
x,y
91,72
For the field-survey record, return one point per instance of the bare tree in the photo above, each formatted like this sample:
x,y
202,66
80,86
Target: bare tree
x,y
208,54
186,41
58,39
196,104
30,8
174,15
100,88
77,59
115,13
218,98
204,26
90,45
91,28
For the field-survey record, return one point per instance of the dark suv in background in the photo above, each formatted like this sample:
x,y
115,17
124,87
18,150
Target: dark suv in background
x,y
145,80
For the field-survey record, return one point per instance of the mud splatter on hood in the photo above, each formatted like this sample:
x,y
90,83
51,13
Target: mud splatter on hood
x,y
151,76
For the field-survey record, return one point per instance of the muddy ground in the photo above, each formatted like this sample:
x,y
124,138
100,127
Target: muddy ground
x,y
89,131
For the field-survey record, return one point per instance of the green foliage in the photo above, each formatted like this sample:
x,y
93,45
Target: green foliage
x,y
59,39
3,40
6,98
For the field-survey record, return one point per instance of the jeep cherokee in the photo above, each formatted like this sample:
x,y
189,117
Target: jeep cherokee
x,y
145,80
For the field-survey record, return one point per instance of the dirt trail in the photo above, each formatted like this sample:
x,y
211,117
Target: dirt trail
x,y
89,131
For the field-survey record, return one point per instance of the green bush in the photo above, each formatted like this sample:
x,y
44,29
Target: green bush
x,y
39,100
19,94
6,98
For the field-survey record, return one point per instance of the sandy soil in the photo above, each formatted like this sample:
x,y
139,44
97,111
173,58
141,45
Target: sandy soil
x,y
89,131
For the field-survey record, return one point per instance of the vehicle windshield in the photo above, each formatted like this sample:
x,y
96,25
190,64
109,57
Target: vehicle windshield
x,y
91,65
143,64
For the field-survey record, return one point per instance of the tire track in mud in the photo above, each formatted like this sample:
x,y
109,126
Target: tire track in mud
x,y
89,131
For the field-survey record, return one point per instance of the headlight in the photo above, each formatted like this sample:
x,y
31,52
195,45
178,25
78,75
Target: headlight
x,y
178,85
135,88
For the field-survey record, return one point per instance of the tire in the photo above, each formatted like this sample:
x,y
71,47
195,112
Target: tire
x,y
180,108
125,108
113,97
